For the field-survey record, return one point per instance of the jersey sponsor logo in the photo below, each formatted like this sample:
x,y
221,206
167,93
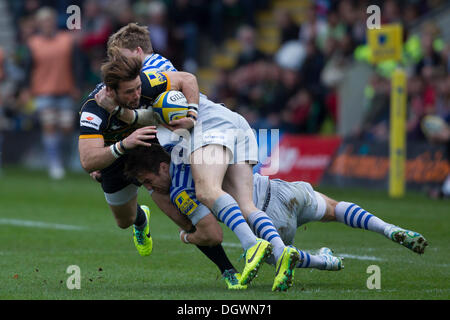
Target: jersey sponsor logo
x,y
185,204
90,120
155,78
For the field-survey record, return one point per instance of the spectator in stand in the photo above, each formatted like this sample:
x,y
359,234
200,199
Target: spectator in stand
x,y
249,52
430,54
374,126
51,78
227,13
296,113
442,137
161,33
289,29
312,68
95,29
358,28
313,29
336,29
185,16
416,106
390,12
410,14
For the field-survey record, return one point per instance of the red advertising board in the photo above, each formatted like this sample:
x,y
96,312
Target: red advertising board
x,y
302,158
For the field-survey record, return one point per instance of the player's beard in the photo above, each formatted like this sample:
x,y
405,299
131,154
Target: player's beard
x,y
131,105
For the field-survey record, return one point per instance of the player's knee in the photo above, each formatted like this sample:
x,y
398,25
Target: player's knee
x,y
207,195
330,214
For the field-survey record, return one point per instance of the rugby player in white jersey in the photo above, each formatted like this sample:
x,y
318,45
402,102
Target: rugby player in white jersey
x,y
224,176
289,204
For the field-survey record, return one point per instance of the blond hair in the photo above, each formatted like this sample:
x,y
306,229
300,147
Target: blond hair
x,y
130,37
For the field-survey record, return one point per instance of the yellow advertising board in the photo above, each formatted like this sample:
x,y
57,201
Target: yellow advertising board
x,y
386,43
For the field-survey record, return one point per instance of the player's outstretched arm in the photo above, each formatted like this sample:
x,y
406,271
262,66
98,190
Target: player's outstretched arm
x,y
95,156
163,202
188,85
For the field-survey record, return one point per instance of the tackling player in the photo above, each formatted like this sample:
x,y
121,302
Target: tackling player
x,y
289,204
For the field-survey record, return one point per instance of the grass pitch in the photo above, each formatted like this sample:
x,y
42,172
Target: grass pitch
x,y
47,226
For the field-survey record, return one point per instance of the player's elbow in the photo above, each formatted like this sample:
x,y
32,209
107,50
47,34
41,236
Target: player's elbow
x,y
188,79
86,164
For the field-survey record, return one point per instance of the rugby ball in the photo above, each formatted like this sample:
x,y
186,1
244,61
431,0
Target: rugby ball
x,y
170,105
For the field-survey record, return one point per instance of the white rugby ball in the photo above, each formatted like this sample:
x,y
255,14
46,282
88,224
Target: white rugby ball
x,y
170,105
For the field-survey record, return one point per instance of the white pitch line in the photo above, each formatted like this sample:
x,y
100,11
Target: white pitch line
x,y
39,224
231,245
358,257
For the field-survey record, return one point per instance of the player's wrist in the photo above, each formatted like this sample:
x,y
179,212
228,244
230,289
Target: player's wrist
x,y
116,151
193,108
122,146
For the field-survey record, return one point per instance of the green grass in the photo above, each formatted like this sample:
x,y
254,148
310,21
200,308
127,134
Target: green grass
x,y
33,261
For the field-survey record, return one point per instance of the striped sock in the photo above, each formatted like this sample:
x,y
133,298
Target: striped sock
x,y
227,210
264,228
310,260
356,217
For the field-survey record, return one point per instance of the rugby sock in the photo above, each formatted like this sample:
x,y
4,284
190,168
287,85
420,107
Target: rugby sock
x,y
263,227
141,220
226,209
356,217
51,146
217,255
310,260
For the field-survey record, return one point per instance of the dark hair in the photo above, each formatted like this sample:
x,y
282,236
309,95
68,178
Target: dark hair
x,y
120,68
145,159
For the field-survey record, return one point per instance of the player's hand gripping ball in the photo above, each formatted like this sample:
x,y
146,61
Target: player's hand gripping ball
x,y
170,105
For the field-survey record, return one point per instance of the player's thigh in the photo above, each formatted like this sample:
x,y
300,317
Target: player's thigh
x,y
300,199
125,213
120,194
208,175
238,182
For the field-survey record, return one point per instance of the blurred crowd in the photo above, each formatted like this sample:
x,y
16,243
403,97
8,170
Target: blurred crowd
x,y
294,89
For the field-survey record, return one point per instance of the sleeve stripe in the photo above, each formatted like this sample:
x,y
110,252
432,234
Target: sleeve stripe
x,y
90,136
168,81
